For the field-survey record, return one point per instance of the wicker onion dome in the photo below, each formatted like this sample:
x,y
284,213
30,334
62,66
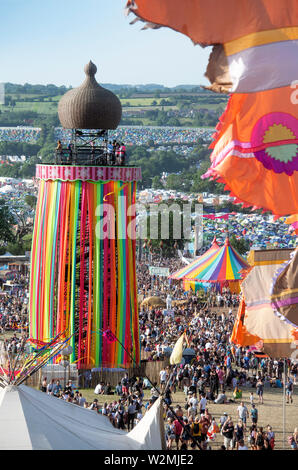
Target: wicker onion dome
x,y
90,106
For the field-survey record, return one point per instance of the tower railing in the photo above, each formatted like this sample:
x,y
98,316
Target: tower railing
x,y
98,156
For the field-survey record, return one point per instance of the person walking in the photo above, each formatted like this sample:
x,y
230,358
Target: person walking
x,y
111,155
131,414
203,403
260,390
293,439
170,433
185,434
43,387
196,431
254,414
239,433
122,154
270,435
289,390
178,428
50,387
260,439
119,415
228,431
243,413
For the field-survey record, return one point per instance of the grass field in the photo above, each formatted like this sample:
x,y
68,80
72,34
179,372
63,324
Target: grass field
x,y
50,107
271,412
140,102
39,107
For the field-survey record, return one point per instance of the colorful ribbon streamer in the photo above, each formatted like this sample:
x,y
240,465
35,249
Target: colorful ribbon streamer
x,y
83,278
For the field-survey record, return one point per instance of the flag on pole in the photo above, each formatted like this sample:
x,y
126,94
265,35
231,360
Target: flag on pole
x,y
109,336
240,336
176,356
186,339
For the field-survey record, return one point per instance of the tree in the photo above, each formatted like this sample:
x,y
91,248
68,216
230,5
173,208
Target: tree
x,y
16,249
174,122
156,183
167,245
240,244
24,226
10,170
47,153
28,170
6,223
30,200
204,185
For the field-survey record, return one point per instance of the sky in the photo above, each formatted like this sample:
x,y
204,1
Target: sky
x,y
50,41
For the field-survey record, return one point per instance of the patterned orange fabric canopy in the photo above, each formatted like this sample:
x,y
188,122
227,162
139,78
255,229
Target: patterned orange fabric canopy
x,y
255,151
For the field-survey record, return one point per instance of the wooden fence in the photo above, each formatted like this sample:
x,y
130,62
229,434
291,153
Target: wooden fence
x,y
151,369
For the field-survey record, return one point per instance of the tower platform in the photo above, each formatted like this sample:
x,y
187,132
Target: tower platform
x,y
88,173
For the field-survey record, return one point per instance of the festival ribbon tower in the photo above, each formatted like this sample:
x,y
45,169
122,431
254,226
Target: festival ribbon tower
x,y
83,265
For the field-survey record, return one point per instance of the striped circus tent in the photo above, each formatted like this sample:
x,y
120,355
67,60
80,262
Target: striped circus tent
x,y
222,268
186,270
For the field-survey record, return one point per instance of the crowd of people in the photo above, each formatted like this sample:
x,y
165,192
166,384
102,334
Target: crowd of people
x,y
192,425
20,134
217,373
179,149
13,304
213,370
141,135
124,412
14,315
203,383
15,344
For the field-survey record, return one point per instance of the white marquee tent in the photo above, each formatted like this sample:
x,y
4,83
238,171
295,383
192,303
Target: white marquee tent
x,y
6,189
33,420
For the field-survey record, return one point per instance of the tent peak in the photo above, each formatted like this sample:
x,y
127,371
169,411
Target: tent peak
x,y
11,388
31,420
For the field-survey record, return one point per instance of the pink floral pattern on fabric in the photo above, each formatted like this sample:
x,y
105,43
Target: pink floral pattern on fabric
x,y
279,133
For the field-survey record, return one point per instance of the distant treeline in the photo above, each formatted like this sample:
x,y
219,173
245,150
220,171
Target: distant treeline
x,y
129,90
27,88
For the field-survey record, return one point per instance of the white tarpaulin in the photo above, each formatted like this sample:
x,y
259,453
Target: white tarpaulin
x,y
159,271
33,420
6,189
